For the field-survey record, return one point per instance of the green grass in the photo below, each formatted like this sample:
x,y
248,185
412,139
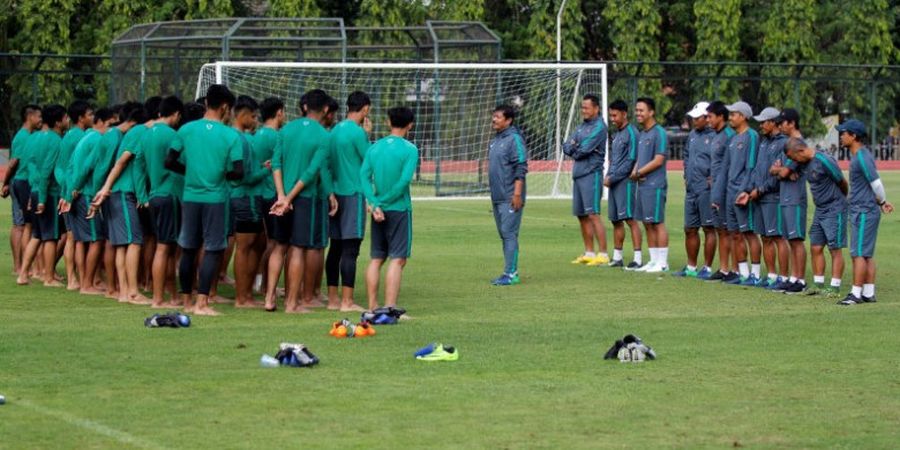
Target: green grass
x,y
737,366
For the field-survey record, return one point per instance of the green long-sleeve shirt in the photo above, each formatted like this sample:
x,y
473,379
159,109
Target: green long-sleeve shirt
x,y
104,158
348,147
254,172
43,164
17,149
300,156
134,177
264,142
386,172
63,163
81,165
209,149
155,145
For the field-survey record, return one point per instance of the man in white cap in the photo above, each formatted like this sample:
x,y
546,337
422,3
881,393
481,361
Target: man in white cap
x,y
698,211
765,192
740,161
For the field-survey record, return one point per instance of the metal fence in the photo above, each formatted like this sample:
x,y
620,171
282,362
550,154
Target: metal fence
x,y
824,93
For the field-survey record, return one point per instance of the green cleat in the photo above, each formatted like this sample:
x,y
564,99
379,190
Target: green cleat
x,y
830,291
440,353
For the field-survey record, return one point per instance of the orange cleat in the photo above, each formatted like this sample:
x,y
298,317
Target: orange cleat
x,y
365,329
338,330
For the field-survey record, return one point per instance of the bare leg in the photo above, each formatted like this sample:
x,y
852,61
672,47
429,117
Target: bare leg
x,y
724,250
870,271
121,275
798,260
784,257
818,259
860,271
91,260
618,235
80,253
373,275
755,247
72,282
312,268
244,270
15,243
28,257
692,245
739,246
392,281
109,264
587,234
636,239
599,231
132,263
837,264
275,264
709,249
161,263
295,271
148,254
768,247
50,264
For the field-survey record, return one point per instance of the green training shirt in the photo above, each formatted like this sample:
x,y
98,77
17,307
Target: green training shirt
x,y
389,166
106,151
348,147
208,149
155,145
254,172
63,163
302,152
134,177
44,155
264,142
17,150
81,164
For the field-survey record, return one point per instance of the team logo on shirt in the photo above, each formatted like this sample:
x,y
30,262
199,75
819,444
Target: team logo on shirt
x,y
209,126
706,141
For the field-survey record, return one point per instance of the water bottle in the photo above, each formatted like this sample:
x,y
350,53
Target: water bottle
x,y
268,361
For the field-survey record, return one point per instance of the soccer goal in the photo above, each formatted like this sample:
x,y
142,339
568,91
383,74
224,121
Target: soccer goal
x,y
453,105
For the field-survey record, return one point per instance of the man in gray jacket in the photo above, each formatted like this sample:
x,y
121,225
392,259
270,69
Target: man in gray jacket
x,y
587,146
508,166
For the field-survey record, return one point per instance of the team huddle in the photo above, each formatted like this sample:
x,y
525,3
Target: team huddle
x,y
137,195
747,193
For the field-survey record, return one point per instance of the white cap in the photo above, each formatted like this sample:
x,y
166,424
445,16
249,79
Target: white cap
x,y
699,110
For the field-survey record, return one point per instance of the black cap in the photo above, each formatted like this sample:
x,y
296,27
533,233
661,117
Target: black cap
x,y
788,115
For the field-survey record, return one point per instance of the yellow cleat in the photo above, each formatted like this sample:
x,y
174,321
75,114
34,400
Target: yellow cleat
x,y
581,259
599,260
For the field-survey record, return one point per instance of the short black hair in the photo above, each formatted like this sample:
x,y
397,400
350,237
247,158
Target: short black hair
x,y
218,95
28,110
718,108
79,108
357,100
400,116
138,116
593,98
151,105
508,111
245,102
170,105
53,114
790,115
270,107
315,100
647,101
193,111
125,110
333,106
103,114
619,105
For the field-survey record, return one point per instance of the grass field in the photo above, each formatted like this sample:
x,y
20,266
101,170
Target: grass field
x,y
737,366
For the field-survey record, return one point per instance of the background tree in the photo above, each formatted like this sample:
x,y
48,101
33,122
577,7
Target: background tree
x,y
718,39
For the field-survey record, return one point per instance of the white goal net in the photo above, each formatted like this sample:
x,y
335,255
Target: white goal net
x,y
453,105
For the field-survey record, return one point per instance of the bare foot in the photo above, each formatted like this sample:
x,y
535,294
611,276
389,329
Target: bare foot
x,y
73,286
22,281
207,311
53,283
352,307
250,304
297,310
57,277
333,306
226,280
314,303
139,299
114,295
92,291
218,299
165,305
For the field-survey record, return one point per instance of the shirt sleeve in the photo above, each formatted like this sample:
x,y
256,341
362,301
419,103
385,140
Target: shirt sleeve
x,y
314,169
81,169
517,157
365,175
398,188
718,192
595,141
752,155
139,174
867,163
46,167
624,170
277,154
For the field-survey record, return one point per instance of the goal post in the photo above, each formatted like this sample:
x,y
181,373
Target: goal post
x,y
453,103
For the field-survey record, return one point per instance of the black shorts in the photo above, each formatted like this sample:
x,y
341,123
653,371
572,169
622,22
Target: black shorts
x,y
350,220
309,228
392,237
123,221
84,229
166,212
22,191
48,225
204,224
145,216
245,215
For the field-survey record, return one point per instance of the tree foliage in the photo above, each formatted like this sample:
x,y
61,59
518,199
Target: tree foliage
x,y
718,39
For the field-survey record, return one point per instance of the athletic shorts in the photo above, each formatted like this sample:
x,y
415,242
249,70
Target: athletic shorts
x,y
166,213
278,228
309,227
146,218
622,200
651,205
829,227
586,194
204,225
698,211
793,220
350,220
392,237
84,229
721,217
18,214
124,223
245,214
769,222
742,218
22,191
863,233
47,226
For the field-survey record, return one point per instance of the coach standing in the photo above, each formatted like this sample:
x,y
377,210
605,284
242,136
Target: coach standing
x,y
508,167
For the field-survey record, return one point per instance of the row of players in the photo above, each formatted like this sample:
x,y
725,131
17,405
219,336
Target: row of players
x,y
747,193
119,181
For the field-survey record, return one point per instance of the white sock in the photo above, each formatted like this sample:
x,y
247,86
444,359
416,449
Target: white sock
x,y
819,279
603,255
652,255
792,279
638,258
801,281
755,269
617,254
772,276
590,254
743,269
856,291
663,255
868,290
690,267
836,282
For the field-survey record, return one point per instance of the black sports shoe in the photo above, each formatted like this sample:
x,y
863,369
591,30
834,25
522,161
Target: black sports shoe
x,y
632,266
795,288
731,277
868,299
716,276
616,263
851,300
